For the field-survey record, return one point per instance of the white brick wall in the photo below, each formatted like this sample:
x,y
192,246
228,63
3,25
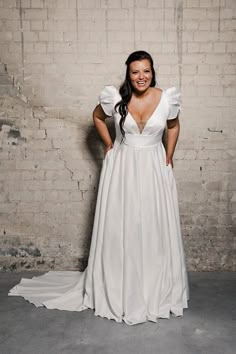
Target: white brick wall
x,y
62,52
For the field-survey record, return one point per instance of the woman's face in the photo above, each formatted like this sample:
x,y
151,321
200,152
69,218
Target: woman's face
x,y
140,74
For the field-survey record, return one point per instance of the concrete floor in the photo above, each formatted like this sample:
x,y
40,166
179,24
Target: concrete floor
x,y
208,326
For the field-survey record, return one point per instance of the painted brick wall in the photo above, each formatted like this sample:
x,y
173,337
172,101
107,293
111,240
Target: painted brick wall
x,y
59,54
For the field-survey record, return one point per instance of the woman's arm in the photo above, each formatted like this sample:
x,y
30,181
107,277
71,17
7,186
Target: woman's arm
x,y
173,128
99,120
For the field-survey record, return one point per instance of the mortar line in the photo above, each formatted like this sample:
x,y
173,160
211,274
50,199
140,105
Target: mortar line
x,y
22,43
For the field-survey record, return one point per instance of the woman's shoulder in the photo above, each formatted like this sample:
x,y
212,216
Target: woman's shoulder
x,y
157,89
173,94
109,93
109,90
156,92
108,98
170,92
173,98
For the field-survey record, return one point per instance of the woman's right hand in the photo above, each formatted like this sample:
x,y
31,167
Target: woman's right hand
x,y
107,148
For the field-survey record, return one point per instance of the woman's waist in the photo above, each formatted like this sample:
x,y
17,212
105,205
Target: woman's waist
x,y
139,140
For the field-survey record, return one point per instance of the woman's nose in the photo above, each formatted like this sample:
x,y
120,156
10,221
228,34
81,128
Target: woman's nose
x,y
141,75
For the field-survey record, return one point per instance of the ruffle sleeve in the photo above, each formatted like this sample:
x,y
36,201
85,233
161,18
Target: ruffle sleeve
x,y
174,101
107,99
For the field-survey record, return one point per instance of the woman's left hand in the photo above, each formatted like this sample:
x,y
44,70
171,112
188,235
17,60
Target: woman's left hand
x,y
169,161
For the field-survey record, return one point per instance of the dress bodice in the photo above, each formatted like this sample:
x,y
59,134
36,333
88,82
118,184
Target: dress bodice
x,y
167,108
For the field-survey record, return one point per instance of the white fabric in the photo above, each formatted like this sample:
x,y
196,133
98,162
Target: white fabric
x,y
136,269
173,96
107,99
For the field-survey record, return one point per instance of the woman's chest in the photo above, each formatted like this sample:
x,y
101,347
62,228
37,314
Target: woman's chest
x,y
151,124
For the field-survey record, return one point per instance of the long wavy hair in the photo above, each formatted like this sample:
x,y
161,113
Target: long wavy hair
x,y
126,88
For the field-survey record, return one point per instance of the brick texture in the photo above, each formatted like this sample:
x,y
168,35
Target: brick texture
x,y
59,55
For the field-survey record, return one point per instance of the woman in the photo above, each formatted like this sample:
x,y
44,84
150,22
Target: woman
x,y
136,270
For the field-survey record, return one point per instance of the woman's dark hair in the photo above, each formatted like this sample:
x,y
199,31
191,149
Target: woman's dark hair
x,y
126,88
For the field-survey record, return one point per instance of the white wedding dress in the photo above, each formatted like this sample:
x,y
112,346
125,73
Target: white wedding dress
x,y
136,269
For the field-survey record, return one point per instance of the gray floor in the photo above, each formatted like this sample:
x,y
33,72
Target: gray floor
x,y
208,326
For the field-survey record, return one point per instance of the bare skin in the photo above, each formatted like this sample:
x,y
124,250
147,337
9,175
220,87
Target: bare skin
x,y
142,105
173,129
99,117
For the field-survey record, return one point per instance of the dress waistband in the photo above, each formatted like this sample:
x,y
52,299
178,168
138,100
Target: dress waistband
x,y
136,140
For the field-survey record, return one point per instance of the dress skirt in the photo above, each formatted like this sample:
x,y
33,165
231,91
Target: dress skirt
x,y
136,269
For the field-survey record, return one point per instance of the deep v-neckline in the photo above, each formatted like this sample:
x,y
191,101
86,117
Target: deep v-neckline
x,y
140,132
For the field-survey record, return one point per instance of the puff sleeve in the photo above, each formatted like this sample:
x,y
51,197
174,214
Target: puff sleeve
x,y
107,99
174,101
